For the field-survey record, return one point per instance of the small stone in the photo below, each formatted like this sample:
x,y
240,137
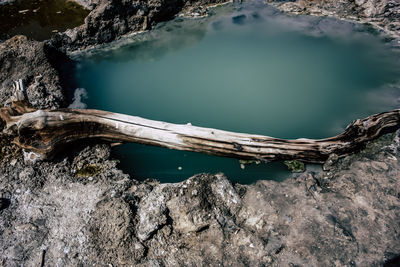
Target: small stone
x,y
31,157
332,159
179,168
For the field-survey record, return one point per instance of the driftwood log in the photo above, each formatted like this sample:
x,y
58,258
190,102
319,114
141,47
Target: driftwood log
x,y
45,131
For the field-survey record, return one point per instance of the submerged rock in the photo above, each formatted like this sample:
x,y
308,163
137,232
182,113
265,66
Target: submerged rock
x,y
239,19
295,166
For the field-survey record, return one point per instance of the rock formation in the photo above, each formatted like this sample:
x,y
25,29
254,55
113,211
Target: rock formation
x,y
110,19
81,210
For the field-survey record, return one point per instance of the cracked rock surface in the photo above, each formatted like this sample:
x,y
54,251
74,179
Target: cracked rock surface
x,y
80,210
39,65
383,14
111,19
346,216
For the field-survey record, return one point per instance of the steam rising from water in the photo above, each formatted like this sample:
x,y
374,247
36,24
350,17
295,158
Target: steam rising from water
x,y
250,69
80,94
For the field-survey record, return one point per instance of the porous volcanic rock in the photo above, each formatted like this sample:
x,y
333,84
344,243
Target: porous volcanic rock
x,y
41,68
345,216
111,19
81,210
383,14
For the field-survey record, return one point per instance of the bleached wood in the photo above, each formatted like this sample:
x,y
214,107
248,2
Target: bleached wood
x,y
45,131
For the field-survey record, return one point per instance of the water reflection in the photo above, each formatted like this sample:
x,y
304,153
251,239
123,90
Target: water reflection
x,y
251,69
39,19
166,38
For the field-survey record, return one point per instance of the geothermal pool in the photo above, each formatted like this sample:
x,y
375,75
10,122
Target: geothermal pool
x,y
246,68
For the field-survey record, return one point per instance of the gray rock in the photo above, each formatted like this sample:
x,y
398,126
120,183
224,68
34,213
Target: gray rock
x,y
39,66
383,14
205,220
81,210
151,214
111,19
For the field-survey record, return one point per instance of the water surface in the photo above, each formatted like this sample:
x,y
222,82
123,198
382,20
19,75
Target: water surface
x,y
247,69
39,19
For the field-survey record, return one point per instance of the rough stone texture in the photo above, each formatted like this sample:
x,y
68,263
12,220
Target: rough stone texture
x,y
39,66
50,208
384,14
347,216
110,19
88,4
80,210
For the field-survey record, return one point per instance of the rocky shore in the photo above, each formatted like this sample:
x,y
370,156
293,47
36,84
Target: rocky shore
x,y
383,15
81,210
111,19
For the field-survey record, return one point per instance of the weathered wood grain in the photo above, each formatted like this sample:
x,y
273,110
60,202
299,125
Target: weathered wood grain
x,y
45,131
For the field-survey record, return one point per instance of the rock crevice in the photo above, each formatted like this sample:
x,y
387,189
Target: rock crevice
x,y
81,210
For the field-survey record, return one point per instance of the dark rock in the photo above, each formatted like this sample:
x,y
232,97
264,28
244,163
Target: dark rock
x,y
204,220
345,216
110,19
392,262
4,203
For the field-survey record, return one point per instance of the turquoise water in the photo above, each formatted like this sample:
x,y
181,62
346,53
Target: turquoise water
x,y
246,69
